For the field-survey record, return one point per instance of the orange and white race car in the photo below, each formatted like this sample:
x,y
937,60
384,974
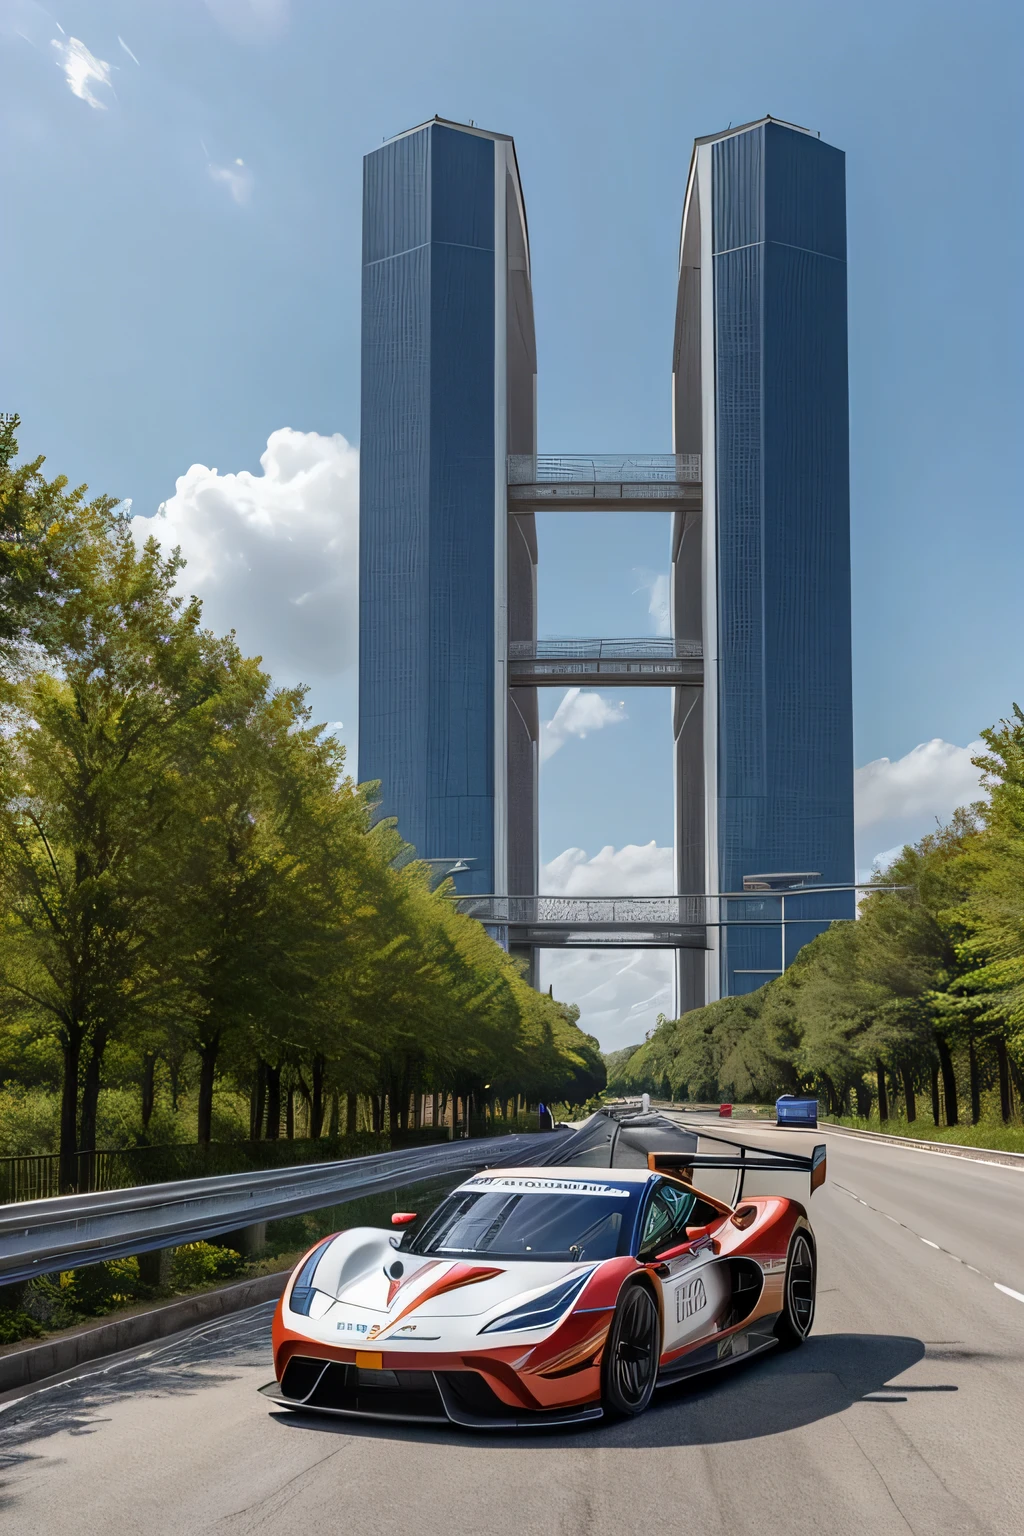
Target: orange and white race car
x,y
548,1295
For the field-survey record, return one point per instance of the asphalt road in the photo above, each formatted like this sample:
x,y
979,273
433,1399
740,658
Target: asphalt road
x,y
904,1411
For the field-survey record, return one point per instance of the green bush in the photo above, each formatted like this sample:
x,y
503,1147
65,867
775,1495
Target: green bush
x,y
197,1264
18,1324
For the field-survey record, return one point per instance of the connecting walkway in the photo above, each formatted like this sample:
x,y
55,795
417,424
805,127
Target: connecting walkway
x,y
592,922
631,663
604,482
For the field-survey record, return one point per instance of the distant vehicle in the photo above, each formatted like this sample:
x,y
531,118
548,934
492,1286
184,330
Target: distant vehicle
x,y
789,1110
548,1295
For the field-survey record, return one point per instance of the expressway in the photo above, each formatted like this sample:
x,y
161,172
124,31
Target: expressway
x,y
904,1411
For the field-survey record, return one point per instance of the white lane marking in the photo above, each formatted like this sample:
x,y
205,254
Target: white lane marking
x,y
1007,1291
908,1146
935,1245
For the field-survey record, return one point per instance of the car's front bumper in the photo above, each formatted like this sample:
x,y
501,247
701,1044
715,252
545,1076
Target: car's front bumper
x,y
463,1397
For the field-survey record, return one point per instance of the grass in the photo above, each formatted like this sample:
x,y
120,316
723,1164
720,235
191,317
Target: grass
x,y
998,1138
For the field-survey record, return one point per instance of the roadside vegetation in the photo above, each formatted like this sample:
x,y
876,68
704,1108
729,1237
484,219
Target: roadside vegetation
x,y
912,1017
206,931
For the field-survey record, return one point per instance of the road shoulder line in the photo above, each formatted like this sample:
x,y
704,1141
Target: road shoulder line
x,y
990,1155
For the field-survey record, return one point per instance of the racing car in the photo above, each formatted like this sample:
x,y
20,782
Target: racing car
x,y
554,1294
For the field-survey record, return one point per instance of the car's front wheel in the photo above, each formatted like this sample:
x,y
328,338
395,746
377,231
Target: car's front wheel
x,y
797,1313
629,1370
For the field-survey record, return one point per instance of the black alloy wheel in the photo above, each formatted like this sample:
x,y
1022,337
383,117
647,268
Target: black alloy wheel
x,y
797,1313
629,1370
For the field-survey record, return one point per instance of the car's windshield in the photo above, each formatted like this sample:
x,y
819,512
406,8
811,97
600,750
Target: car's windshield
x,y
532,1218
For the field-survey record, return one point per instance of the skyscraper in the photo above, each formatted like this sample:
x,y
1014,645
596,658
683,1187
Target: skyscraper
x,y
764,752
758,492
448,391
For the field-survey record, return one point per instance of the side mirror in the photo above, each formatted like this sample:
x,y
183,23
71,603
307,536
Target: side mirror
x,y
403,1218
818,1157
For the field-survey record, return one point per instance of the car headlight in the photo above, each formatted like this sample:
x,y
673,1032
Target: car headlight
x,y
301,1298
543,1310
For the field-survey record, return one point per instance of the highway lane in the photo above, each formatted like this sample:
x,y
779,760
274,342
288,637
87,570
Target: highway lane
x,y
903,1412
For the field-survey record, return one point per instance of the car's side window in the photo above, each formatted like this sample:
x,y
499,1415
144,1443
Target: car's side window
x,y
667,1213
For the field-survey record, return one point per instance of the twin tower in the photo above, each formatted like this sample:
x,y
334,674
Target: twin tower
x,y
757,487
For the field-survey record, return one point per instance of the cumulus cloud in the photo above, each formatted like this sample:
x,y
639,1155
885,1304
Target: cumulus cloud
x,y
897,802
655,584
275,557
81,69
932,779
236,177
620,992
578,714
635,870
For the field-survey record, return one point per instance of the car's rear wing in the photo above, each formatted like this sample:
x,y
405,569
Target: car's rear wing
x,y
746,1160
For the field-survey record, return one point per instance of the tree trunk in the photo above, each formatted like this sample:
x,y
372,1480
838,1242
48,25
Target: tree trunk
x,y
273,1102
1016,1080
334,1123
148,1087
71,1051
351,1114
289,1113
316,1106
935,1094
208,1053
376,1111
948,1082
1005,1095
90,1097
175,1071
972,1060
883,1093
863,1095
908,1092
258,1101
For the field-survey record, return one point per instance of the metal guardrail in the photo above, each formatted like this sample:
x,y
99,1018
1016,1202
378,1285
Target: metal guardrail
x,y
655,647
37,1175
603,468
41,1237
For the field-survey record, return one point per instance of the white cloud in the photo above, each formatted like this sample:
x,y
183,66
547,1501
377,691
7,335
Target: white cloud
x,y
250,20
881,861
577,714
81,69
236,176
127,50
655,584
634,870
931,780
275,557
620,992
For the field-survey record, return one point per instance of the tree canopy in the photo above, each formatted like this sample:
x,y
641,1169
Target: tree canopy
x,y
188,877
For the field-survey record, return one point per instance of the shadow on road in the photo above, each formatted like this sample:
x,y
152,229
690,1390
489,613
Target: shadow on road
x,y
206,1357
743,1402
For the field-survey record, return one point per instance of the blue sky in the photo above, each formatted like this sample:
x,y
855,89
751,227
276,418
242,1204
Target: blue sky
x,y
181,276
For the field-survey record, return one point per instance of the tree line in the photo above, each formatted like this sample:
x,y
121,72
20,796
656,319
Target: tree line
x,y
191,885
918,1002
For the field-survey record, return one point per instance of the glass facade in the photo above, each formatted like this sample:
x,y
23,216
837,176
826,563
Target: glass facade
x,y
782,564
427,492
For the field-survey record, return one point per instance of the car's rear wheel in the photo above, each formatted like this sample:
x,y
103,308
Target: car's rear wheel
x,y
629,1369
797,1313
